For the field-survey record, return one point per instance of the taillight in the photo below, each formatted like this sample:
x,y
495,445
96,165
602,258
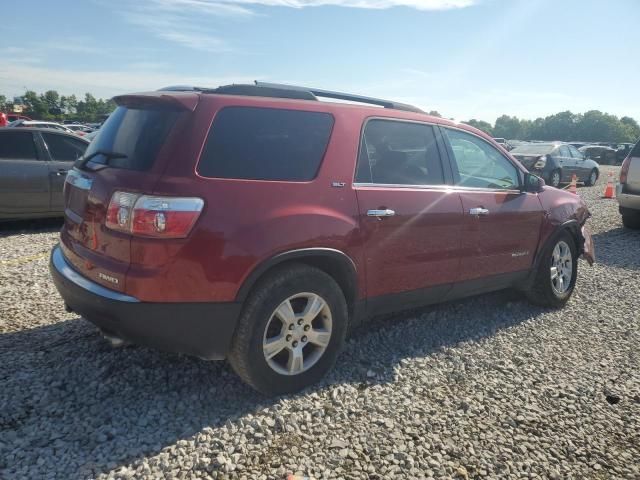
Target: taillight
x,y
152,216
625,169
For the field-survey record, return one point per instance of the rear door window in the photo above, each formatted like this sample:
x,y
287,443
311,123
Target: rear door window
x,y
17,146
63,148
399,153
265,144
136,133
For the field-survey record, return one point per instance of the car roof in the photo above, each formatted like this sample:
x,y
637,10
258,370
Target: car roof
x,y
43,130
187,98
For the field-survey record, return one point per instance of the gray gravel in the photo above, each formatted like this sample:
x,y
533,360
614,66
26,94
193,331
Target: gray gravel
x,y
490,387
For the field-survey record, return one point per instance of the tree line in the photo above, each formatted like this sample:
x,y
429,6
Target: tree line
x,y
52,106
591,126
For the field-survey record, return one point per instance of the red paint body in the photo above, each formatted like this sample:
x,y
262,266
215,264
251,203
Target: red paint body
x,y
431,241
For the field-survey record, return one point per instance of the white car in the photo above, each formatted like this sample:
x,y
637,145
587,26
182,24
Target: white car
x,y
628,190
39,124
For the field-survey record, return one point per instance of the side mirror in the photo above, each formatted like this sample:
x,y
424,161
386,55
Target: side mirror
x,y
532,183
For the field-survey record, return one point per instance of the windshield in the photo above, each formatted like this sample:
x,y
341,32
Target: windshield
x,y
137,134
533,149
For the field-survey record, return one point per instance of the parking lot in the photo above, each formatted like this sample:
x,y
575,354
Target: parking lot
x,y
483,388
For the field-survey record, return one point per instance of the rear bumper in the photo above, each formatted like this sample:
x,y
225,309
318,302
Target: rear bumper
x,y
201,329
627,200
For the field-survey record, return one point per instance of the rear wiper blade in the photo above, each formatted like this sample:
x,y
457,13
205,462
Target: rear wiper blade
x,y
82,162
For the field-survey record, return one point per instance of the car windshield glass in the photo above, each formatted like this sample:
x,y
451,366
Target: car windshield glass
x,y
533,149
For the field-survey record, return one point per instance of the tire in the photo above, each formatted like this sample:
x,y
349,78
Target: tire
x,y
592,178
631,220
555,178
544,291
296,285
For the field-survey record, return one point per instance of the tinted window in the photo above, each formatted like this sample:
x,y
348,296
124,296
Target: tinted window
x,y
63,148
400,153
136,133
636,150
575,153
17,145
479,164
564,151
265,144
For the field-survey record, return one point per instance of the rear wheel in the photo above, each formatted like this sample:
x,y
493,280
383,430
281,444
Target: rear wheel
x,y
291,330
557,273
554,178
631,219
592,178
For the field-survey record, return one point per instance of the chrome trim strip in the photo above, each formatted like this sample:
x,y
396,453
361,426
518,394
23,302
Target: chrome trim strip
x,y
64,269
437,187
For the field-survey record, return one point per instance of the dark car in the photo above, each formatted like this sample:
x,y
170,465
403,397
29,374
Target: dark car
x,y
557,163
258,224
33,166
604,155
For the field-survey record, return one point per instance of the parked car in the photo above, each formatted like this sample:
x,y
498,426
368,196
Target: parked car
x,y
599,153
33,166
79,129
12,117
557,163
503,143
39,124
628,190
622,151
265,236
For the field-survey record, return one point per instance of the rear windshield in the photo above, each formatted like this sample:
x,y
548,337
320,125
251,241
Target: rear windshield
x,y
136,133
265,144
533,149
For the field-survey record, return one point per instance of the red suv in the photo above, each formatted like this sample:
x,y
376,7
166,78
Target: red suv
x,y
258,224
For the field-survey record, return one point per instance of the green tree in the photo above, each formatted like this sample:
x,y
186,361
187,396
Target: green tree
x,y
3,102
507,127
481,125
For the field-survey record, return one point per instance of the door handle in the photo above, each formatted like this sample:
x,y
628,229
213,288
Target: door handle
x,y
60,173
478,211
381,213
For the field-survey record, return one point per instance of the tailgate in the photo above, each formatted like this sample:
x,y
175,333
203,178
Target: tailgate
x,y
140,131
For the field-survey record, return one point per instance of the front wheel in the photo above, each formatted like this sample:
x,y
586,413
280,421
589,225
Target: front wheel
x,y
592,178
291,330
554,179
556,275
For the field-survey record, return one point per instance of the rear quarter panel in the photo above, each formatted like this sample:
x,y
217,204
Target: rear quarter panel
x,y
245,222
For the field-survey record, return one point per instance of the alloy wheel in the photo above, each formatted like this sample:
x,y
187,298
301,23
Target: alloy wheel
x,y
561,268
297,333
555,179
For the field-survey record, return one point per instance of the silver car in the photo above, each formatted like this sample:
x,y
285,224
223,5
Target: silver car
x,y
33,166
628,190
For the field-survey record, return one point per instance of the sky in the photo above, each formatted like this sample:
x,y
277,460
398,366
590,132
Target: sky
x,y
464,58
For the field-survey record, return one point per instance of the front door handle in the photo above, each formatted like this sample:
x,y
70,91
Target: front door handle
x,y
478,211
381,213
60,172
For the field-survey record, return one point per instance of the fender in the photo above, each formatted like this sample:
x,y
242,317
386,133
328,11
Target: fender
x,y
572,226
346,263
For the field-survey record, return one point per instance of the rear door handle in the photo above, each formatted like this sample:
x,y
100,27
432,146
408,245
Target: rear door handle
x,y
381,213
478,211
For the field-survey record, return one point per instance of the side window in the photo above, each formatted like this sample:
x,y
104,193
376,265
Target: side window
x,y
399,153
17,146
564,151
575,153
479,164
266,144
63,148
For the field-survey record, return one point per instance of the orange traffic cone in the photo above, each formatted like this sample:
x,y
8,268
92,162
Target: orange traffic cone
x,y
609,191
573,184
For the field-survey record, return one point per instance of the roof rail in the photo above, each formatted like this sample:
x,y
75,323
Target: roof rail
x,y
342,96
281,90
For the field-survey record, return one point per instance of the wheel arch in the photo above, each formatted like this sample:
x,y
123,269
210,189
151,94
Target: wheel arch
x,y
335,263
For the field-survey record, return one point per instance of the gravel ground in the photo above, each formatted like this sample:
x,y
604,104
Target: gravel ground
x,y
489,387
